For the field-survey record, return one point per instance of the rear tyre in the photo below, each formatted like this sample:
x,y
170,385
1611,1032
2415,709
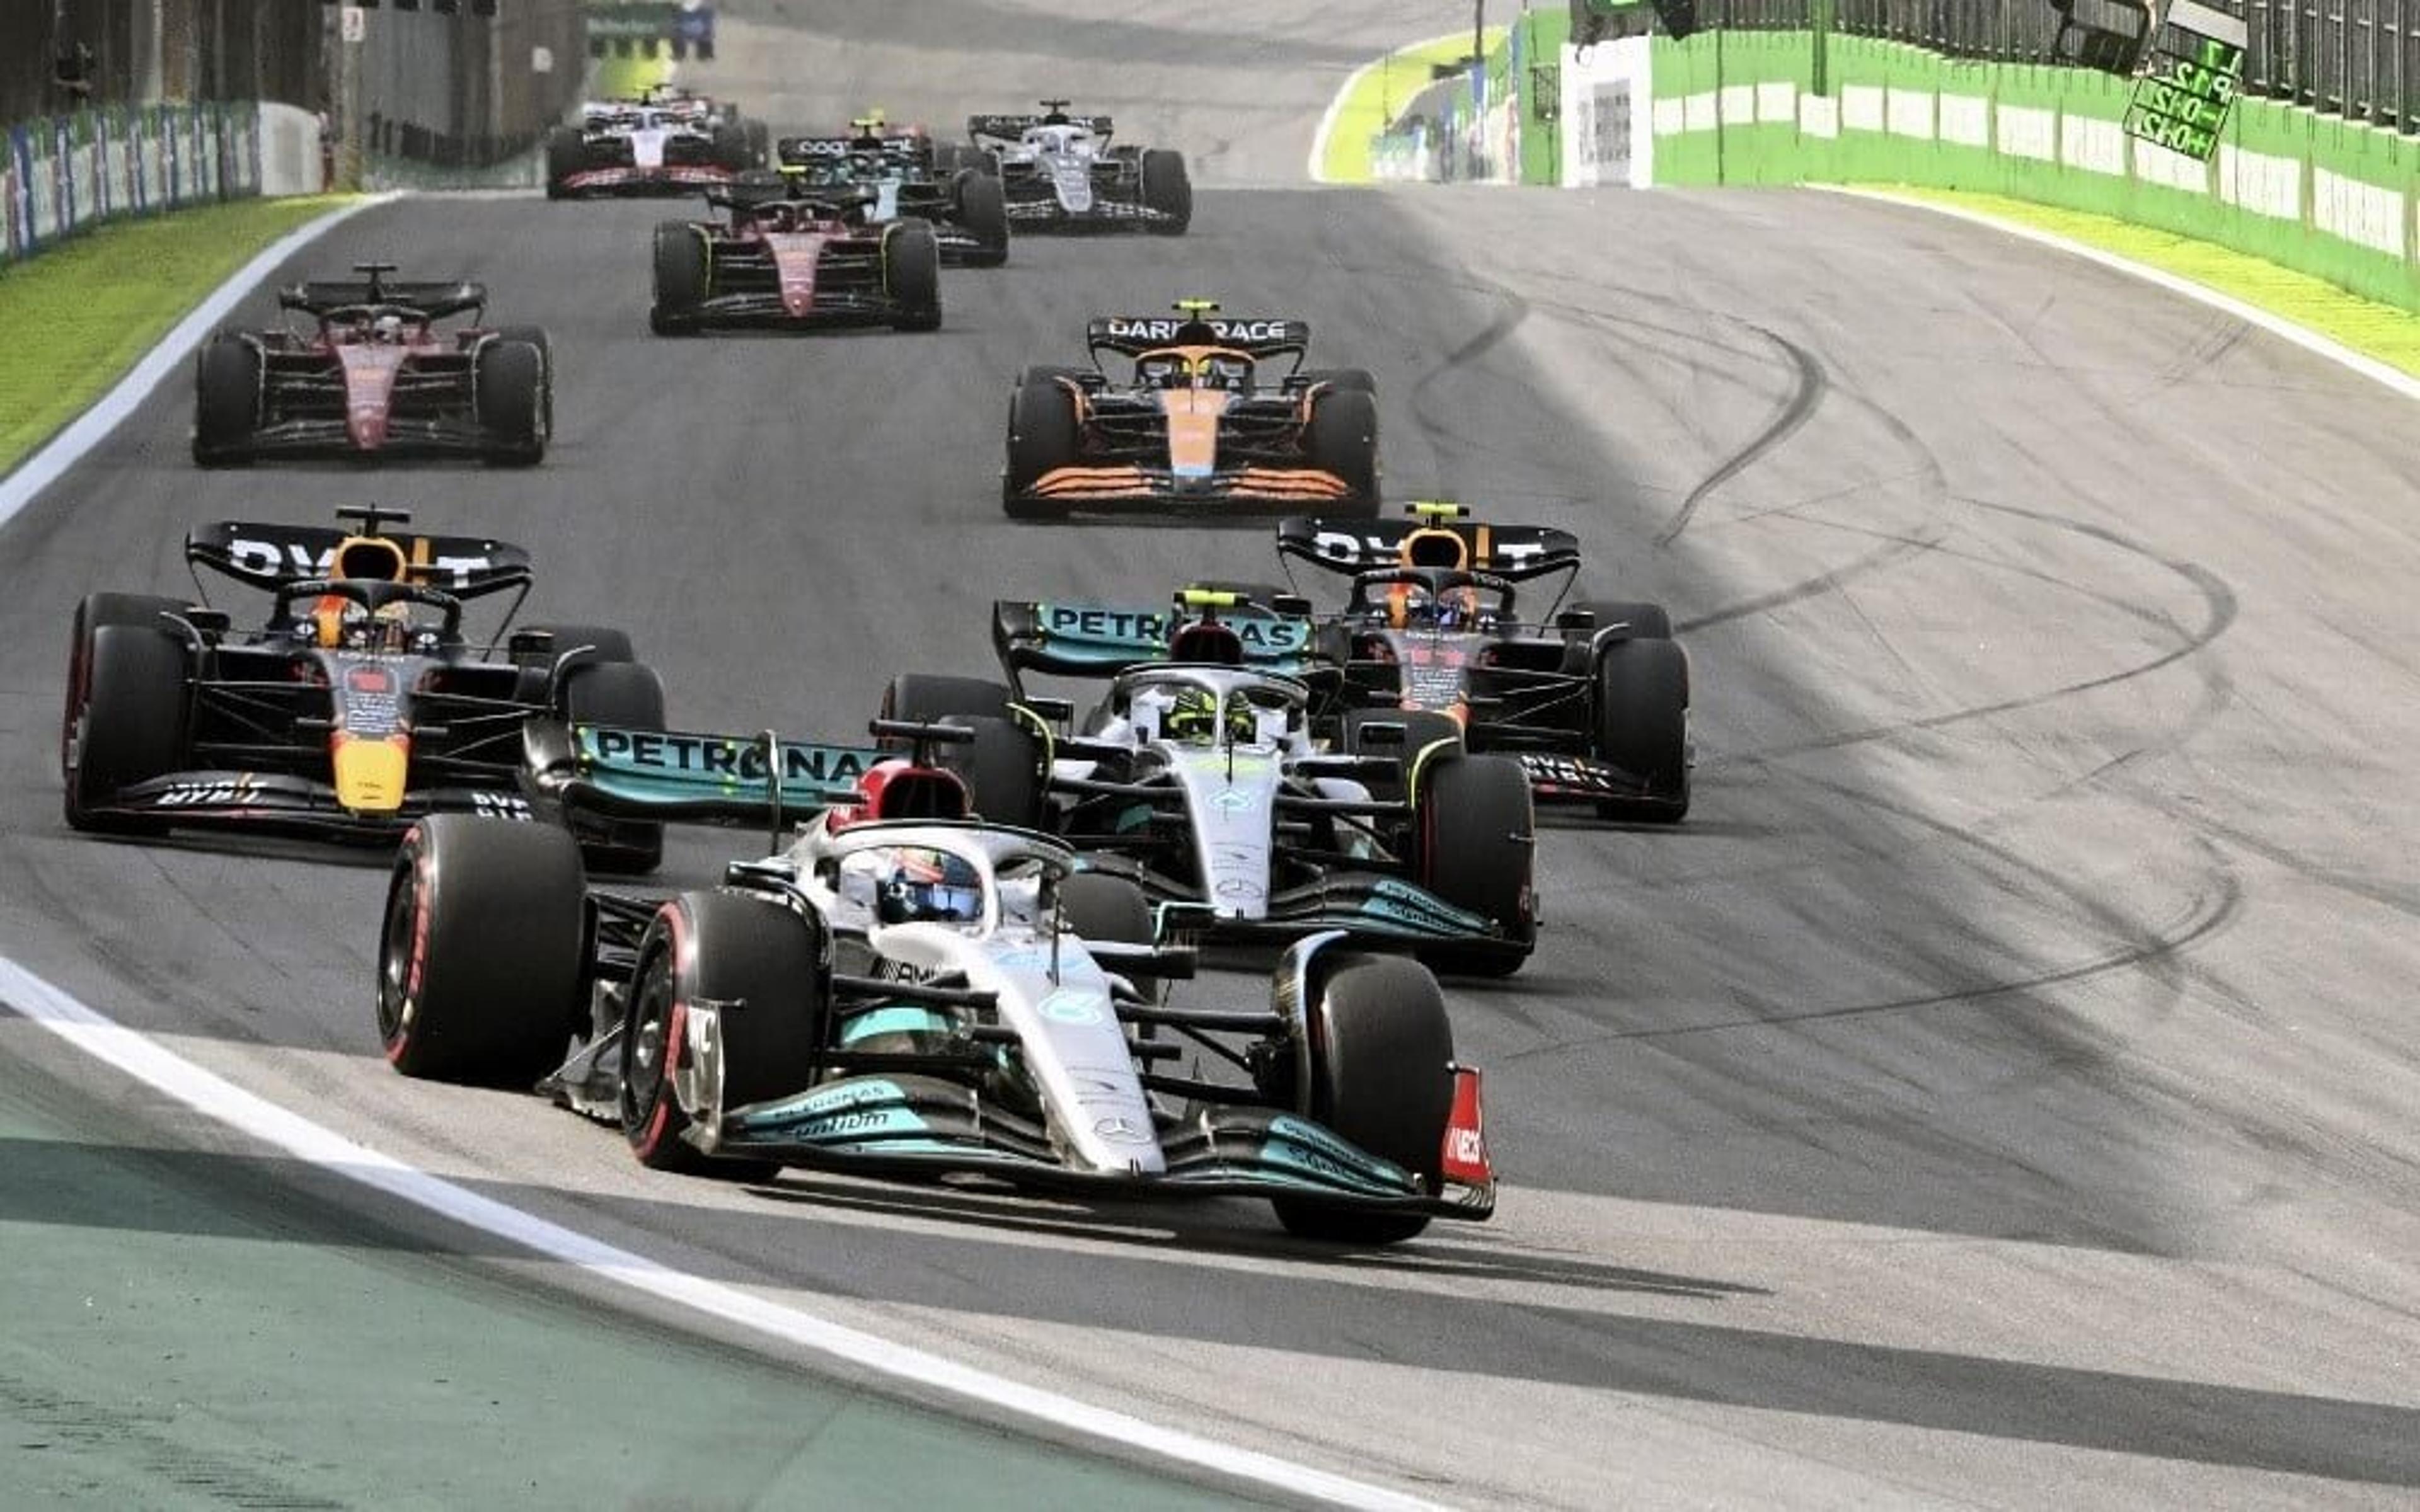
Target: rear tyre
x,y
912,271
630,697
1342,439
1346,380
983,210
1643,726
484,952
510,393
565,156
126,714
1042,438
1382,1077
1474,839
226,402
1001,766
764,965
1168,189
680,279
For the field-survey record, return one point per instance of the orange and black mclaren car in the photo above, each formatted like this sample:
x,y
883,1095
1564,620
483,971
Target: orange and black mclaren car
x,y
1216,415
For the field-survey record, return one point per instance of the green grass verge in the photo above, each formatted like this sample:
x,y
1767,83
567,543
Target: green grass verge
x,y
1371,99
79,315
2378,330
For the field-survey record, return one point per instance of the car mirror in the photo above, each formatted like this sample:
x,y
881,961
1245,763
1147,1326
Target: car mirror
x,y
1576,619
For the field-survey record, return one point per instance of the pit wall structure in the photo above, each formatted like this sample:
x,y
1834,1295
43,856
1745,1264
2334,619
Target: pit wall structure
x,y
2336,199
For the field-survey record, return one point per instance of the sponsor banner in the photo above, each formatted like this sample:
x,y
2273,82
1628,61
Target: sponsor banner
x,y
61,174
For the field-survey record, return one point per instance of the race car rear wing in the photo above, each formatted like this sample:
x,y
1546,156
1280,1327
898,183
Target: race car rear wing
x,y
1434,538
270,556
1011,127
1131,334
1074,638
433,300
696,779
805,150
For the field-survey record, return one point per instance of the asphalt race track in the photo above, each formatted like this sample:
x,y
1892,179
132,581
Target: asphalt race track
x,y
2002,1088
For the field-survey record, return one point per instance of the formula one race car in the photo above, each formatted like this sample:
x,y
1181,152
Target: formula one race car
x,y
1204,421
1593,700
963,206
1199,778
623,146
903,992
789,259
1060,174
357,707
375,377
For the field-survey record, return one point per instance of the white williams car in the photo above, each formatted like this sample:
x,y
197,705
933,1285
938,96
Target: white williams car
x,y
1059,173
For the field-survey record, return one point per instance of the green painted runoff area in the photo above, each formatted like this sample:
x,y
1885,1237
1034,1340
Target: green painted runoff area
x,y
1372,99
185,1328
84,312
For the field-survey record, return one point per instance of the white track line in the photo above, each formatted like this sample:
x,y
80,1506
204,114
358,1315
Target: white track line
x,y
2276,325
1316,164
70,446
151,1063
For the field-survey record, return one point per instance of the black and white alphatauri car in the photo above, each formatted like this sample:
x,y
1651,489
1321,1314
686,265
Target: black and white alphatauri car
x,y
901,991
1059,173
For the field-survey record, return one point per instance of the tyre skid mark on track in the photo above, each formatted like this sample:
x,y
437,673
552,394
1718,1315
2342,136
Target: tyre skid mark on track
x,y
2216,595
251,1481
1807,386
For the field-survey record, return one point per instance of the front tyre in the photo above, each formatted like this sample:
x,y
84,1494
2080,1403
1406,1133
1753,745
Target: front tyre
x,y
912,271
765,970
1382,1077
484,950
1168,190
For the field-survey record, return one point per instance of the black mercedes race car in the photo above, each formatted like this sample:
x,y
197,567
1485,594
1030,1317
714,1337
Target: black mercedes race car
x,y
796,259
964,207
375,376
1592,699
357,706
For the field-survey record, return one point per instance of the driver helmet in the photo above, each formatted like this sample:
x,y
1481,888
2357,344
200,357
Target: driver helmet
x,y
1194,716
918,883
387,328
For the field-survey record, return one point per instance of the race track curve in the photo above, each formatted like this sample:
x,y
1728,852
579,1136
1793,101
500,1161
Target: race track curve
x,y
2001,1088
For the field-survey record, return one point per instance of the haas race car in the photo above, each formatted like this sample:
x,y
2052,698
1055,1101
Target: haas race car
x,y
357,706
1199,778
1059,173
964,207
901,991
793,259
673,145
375,376
1591,698
1209,412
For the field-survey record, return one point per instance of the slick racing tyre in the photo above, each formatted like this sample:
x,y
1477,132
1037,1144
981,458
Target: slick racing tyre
x,y
1001,766
1382,1077
565,154
226,402
125,718
1169,190
1042,438
1643,726
1342,439
536,336
982,212
628,696
912,271
680,279
1474,839
1348,380
509,385
1108,909
484,950
763,967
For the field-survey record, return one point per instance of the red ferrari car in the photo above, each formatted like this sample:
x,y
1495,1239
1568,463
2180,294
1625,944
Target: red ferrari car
x,y
375,376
